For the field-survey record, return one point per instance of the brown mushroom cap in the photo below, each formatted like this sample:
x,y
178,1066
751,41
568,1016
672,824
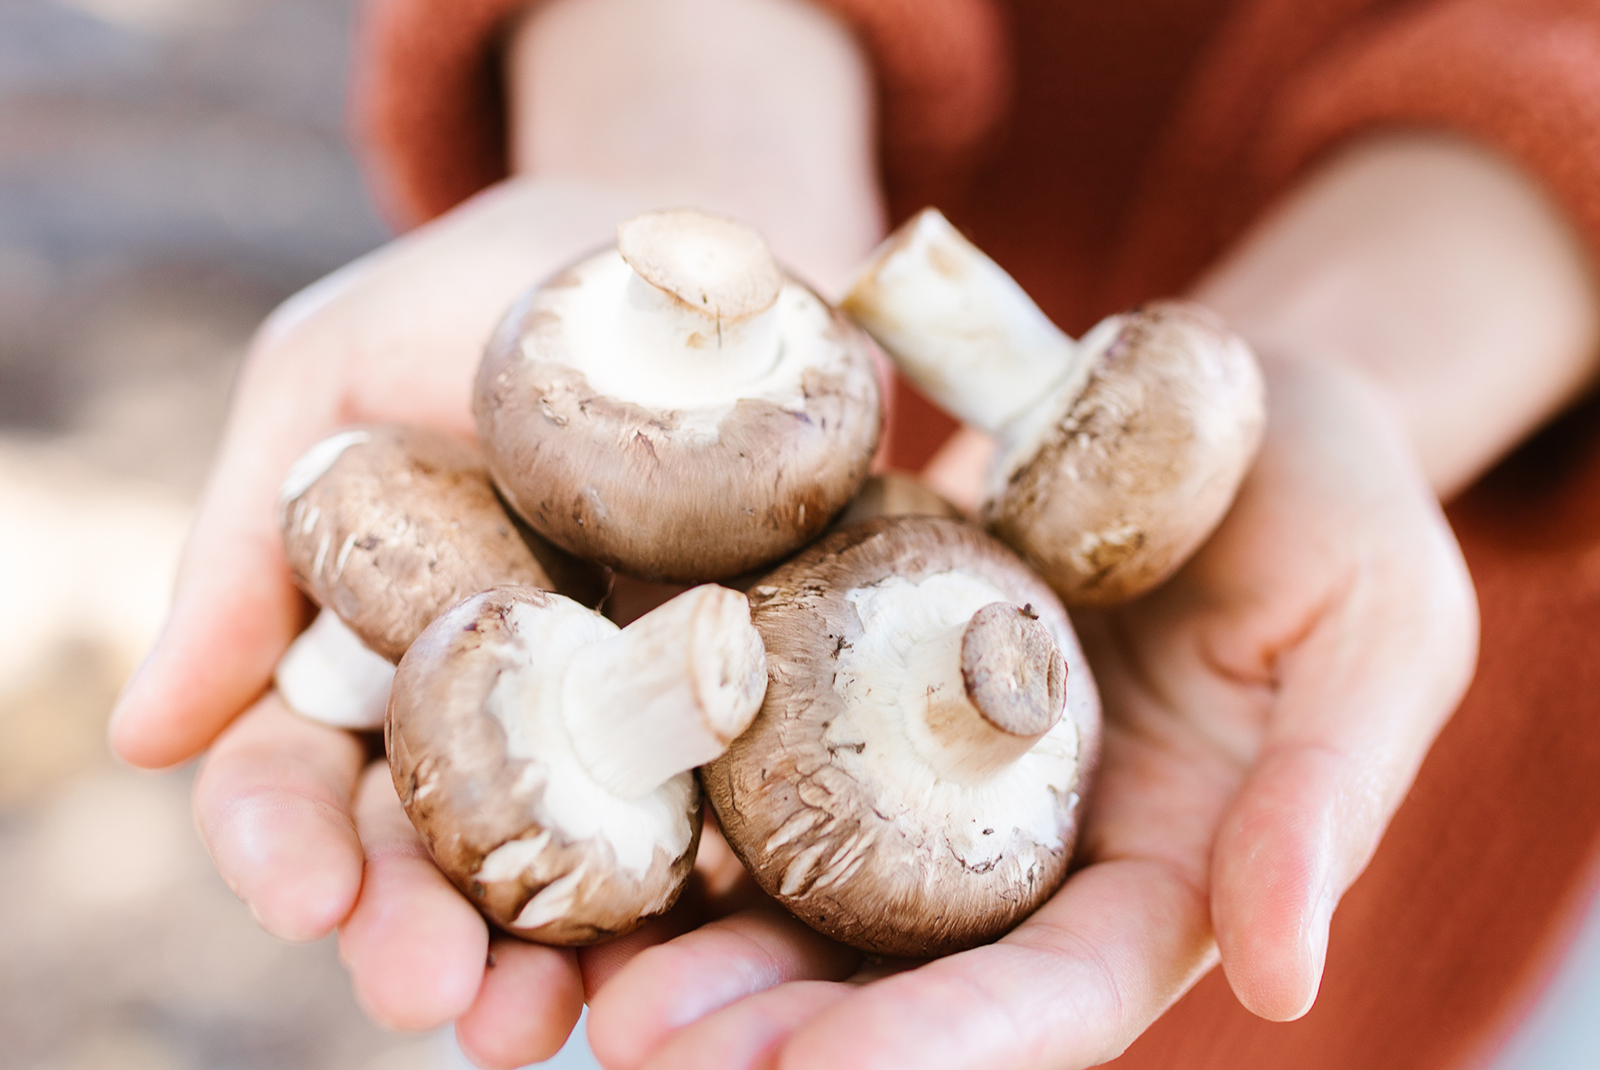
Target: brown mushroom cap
x,y
1120,483
487,769
892,493
389,526
828,797
1120,452
746,461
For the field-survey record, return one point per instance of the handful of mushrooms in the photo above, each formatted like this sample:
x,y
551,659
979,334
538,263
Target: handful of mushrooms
x,y
896,727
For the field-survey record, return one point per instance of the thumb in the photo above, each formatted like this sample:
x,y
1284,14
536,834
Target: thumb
x,y
1358,702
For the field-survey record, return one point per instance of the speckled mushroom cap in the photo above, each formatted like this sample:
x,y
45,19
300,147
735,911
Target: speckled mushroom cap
x,y
507,737
389,526
866,797
1156,443
1120,453
654,409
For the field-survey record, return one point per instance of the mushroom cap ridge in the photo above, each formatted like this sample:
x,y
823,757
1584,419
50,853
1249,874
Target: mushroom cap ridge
x,y
468,796
649,491
401,525
885,878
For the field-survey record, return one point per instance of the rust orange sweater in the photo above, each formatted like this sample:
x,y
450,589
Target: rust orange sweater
x,y
1107,152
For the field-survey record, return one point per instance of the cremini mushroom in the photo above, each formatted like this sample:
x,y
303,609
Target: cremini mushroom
x,y
385,527
545,755
1120,453
912,784
892,493
677,407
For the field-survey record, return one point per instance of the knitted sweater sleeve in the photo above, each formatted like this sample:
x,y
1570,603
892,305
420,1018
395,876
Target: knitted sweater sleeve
x,y
1520,76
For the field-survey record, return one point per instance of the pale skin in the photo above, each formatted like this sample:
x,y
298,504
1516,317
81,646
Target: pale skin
x,y
1420,308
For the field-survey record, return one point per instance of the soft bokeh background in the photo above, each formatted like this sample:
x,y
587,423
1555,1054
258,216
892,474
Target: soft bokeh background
x,y
169,171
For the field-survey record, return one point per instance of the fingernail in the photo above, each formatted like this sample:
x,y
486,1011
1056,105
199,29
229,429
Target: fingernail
x,y
1317,942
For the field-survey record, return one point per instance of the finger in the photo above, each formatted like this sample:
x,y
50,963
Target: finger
x,y
1351,728
272,803
1357,695
415,948
749,1033
530,1000
720,886
960,468
601,962
666,987
1072,987
235,608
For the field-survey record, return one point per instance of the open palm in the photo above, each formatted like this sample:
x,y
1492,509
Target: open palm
x,y
1266,711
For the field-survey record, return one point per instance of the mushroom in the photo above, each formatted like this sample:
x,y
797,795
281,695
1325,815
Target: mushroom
x,y
384,528
892,493
545,755
910,786
1120,453
677,407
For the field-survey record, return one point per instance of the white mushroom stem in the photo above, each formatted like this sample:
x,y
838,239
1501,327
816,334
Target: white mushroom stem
x,y
993,686
959,326
328,674
687,309
667,693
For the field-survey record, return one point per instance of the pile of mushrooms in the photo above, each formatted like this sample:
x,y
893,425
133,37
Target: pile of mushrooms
x,y
896,727
1119,453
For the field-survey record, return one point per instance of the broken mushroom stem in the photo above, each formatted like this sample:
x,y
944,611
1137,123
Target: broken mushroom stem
x,y
961,328
696,307
667,693
995,685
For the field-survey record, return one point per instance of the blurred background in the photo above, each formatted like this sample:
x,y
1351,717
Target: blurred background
x,y
169,171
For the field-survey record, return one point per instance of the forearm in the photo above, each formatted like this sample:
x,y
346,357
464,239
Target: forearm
x,y
761,109
1440,272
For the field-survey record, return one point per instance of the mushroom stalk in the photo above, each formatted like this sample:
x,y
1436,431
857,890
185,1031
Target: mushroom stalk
x,y
666,694
960,327
691,311
330,675
994,685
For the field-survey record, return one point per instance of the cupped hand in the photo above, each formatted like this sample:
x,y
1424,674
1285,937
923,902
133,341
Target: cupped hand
x,y
300,833
1266,711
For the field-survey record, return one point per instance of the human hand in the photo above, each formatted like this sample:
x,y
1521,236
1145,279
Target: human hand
x,y
396,336
761,110
1265,713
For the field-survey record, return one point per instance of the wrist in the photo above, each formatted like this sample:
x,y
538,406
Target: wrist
x,y
1438,271
760,109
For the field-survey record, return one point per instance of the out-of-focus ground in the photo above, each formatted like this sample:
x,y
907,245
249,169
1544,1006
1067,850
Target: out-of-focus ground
x,y
169,171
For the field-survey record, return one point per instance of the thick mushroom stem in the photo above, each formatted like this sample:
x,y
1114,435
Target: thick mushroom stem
x,y
959,326
666,694
328,674
700,303
994,686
